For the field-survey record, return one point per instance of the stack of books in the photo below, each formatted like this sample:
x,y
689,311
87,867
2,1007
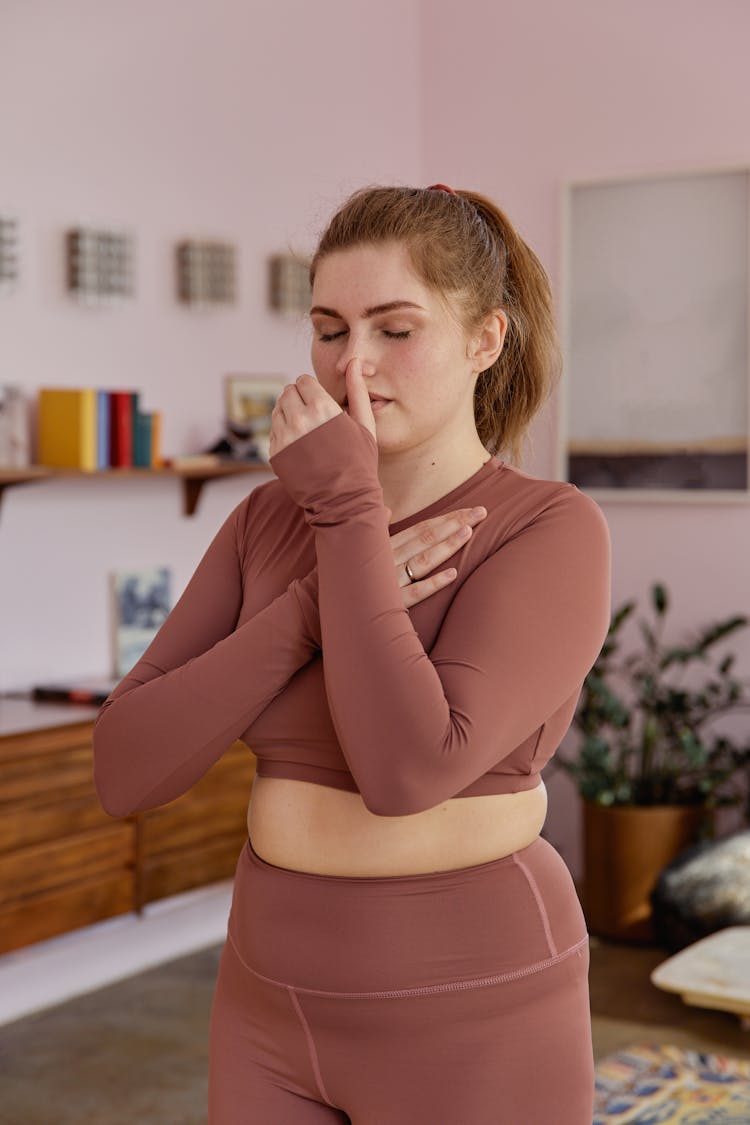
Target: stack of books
x,y
87,428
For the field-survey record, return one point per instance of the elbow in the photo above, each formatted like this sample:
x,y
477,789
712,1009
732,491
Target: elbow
x,y
112,808
109,786
381,807
110,798
393,800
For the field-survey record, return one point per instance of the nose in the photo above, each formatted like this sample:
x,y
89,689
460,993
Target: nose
x,y
354,347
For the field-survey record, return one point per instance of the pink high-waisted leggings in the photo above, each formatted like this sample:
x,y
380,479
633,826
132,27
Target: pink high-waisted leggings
x,y
452,998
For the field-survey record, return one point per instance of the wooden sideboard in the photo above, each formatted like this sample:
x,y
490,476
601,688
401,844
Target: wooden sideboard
x,y
65,863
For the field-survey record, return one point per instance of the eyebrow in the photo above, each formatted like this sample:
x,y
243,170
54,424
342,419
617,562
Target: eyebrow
x,y
374,311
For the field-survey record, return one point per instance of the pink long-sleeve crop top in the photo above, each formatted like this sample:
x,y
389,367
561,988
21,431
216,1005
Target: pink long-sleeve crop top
x,y
292,635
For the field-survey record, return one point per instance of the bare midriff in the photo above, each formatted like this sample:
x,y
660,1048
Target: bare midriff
x,y
325,831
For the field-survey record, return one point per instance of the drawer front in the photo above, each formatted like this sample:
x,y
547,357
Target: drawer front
x,y
31,776
45,740
67,908
48,818
195,822
65,863
171,873
40,868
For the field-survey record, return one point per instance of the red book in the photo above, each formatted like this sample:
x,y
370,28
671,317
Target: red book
x,y
123,405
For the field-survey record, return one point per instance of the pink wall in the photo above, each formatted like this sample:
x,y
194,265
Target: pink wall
x,y
241,120
525,95
251,121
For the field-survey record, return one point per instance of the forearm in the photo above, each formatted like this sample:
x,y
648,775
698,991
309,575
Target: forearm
x,y
385,696
163,728
383,691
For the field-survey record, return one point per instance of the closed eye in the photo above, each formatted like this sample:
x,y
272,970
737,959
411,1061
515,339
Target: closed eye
x,y
326,337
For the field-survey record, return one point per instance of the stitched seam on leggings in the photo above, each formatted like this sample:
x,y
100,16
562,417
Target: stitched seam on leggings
x,y
310,1045
427,989
539,902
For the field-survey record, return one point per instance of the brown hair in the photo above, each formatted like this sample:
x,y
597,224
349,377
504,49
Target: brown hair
x,y
464,246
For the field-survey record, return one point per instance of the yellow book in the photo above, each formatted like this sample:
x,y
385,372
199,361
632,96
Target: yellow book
x,y
156,458
66,427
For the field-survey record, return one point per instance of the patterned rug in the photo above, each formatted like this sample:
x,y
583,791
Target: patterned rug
x,y
648,1084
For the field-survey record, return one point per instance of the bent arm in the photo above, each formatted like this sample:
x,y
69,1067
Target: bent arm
x,y
520,635
201,682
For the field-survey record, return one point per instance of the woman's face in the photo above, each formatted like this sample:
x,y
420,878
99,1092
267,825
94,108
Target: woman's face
x,y
368,302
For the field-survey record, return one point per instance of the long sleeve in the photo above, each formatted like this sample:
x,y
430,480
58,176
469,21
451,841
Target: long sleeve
x,y
517,640
201,681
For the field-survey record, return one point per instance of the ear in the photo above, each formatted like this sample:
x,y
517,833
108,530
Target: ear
x,y
487,342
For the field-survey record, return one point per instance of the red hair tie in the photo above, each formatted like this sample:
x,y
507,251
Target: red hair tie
x,y
441,187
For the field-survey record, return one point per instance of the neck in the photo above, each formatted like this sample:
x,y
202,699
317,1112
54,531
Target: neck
x,y
413,479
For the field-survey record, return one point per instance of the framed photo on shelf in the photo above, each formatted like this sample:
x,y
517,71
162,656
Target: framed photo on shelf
x,y
249,400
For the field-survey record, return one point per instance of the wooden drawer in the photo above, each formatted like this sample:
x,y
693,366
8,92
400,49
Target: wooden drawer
x,y
65,863
39,868
57,912
25,778
171,873
192,823
46,740
49,818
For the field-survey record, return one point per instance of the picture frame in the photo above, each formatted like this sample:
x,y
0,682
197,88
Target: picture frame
x,y
140,602
655,401
249,400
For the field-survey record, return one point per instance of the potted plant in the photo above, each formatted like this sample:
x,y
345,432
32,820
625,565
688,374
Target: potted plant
x,y
650,772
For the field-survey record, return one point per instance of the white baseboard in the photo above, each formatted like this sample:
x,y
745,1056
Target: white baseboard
x,y
49,972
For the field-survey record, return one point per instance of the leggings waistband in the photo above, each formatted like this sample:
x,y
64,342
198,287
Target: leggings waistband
x,y
374,934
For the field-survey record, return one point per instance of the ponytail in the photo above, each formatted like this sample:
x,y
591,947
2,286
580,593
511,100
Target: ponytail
x,y
509,394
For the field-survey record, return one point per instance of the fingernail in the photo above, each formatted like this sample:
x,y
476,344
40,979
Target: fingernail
x,y
477,512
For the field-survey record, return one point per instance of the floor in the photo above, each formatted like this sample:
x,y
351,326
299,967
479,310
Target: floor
x,y
135,1051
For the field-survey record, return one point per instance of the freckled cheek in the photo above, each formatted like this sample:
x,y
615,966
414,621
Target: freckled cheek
x,y
420,365
323,360
410,361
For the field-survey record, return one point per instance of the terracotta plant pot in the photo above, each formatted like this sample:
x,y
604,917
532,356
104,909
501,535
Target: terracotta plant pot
x,y
626,847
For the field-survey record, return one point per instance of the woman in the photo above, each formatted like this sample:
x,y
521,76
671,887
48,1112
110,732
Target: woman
x,y
403,946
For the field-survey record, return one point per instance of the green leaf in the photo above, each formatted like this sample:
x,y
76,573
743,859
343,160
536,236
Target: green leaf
x,y
621,615
659,598
648,635
720,630
677,656
640,742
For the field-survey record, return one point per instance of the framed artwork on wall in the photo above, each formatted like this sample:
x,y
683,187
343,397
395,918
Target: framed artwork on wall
x,y
100,265
9,253
206,272
655,399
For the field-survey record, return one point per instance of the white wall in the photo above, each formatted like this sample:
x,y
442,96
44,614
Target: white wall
x,y
524,95
249,121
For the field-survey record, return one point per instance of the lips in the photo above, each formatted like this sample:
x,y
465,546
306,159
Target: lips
x,y
373,398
